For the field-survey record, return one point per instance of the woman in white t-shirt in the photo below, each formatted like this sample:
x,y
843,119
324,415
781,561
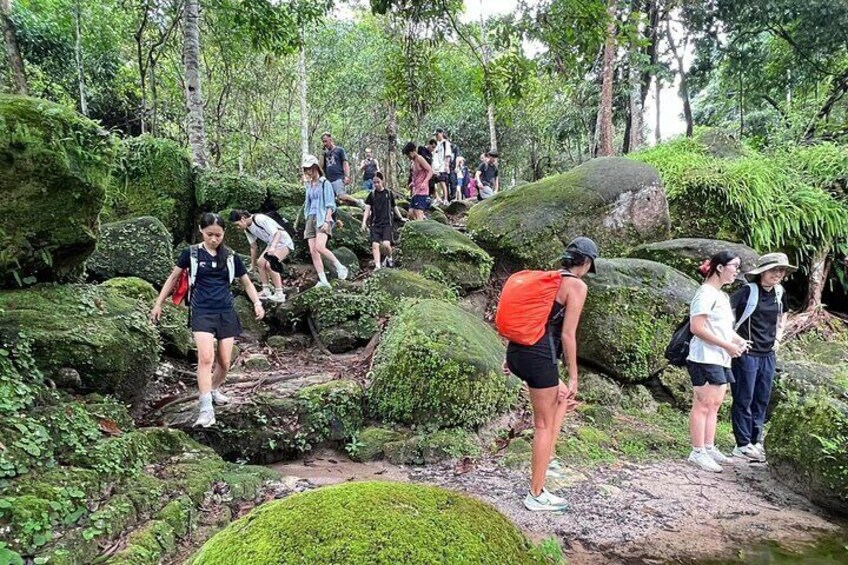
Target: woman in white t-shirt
x,y
713,345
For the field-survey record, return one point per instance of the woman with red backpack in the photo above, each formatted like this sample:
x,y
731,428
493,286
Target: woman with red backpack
x,y
539,313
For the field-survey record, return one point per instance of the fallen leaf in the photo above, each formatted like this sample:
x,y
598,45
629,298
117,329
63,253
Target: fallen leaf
x,y
110,427
465,465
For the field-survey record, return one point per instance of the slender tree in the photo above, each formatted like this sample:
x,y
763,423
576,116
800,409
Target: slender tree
x,y
13,52
304,104
194,98
605,128
677,52
78,56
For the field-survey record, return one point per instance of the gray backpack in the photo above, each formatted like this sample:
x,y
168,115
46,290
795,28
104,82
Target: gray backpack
x,y
754,298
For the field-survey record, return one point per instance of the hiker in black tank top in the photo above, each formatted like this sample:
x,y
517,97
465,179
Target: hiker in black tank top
x,y
538,366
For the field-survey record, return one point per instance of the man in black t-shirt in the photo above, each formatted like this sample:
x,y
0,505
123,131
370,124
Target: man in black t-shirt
x,y
369,167
381,209
487,176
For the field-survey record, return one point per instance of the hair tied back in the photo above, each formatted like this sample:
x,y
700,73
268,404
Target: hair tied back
x,y
704,268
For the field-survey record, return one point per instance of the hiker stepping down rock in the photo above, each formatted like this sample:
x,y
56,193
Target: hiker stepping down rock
x,y
760,308
538,313
318,209
381,209
210,268
713,345
278,245
337,167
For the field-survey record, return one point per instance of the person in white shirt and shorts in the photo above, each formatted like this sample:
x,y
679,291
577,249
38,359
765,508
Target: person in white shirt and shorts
x,y
279,244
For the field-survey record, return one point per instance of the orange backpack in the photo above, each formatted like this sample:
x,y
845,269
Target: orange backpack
x,y
525,305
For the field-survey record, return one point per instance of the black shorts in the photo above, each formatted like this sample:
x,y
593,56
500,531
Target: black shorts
x,y
220,324
381,233
537,365
703,373
443,177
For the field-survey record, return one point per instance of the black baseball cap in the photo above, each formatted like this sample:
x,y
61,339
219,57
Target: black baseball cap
x,y
584,246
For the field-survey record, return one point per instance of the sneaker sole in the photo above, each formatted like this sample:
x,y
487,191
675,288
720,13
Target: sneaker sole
x,y
753,458
209,425
696,465
552,508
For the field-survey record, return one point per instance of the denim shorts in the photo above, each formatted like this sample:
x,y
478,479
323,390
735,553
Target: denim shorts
x,y
704,373
420,202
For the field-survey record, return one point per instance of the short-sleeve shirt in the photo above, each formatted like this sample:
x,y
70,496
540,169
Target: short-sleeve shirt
x,y
334,163
263,228
761,327
716,305
443,151
382,204
370,169
211,291
488,173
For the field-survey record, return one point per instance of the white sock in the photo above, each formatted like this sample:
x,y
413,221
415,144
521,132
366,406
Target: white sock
x,y
322,277
266,287
709,447
206,401
279,290
338,265
697,449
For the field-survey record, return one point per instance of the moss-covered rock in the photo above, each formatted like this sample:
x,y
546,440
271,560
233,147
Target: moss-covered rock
x,y
428,244
807,440
613,200
348,232
139,247
676,382
459,208
54,168
371,441
153,177
390,286
631,311
282,194
252,328
430,448
133,287
405,524
422,377
687,254
348,259
436,215
219,191
95,330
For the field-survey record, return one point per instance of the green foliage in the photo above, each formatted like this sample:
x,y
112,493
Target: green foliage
x,y
55,168
217,191
406,524
390,286
153,177
139,247
428,243
422,377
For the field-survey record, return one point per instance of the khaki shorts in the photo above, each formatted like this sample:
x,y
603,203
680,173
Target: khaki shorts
x,y
311,231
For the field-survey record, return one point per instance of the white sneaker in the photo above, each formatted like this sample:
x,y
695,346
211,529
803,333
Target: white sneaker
x,y
219,397
205,419
761,449
703,461
718,456
322,284
278,296
545,502
748,452
341,272
264,294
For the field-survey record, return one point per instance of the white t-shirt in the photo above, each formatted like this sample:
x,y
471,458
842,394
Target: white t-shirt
x,y
716,305
262,228
443,150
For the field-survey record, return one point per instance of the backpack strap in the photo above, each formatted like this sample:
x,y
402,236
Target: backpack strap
x,y
192,268
753,298
231,266
778,295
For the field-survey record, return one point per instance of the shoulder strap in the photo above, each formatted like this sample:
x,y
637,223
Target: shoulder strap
x,y
750,306
778,295
192,269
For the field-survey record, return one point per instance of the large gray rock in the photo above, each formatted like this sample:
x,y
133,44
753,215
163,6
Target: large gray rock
x,y
631,311
687,254
618,202
140,247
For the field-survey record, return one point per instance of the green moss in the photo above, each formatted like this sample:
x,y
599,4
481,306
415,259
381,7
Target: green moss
x,y
529,225
368,444
422,377
348,232
95,330
331,411
284,194
348,259
54,168
153,177
340,310
432,447
406,524
390,286
139,247
428,243
133,287
218,191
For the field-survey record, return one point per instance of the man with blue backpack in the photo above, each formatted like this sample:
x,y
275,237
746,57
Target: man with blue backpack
x,y
760,308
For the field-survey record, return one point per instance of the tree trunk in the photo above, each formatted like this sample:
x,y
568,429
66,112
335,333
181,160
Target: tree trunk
x,y
819,270
657,91
154,99
605,129
636,109
13,52
684,79
487,87
194,99
304,105
392,158
78,55
493,133
142,67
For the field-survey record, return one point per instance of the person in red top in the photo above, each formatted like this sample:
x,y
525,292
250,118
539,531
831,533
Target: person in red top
x,y
420,185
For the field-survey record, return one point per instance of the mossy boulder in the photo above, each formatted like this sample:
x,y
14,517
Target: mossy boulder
x,y
54,169
630,313
427,244
94,330
459,208
276,422
437,215
371,441
422,377
348,232
687,254
282,194
390,286
807,440
430,448
153,177
348,259
140,247
252,329
404,524
219,191
676,382
133,287
617,202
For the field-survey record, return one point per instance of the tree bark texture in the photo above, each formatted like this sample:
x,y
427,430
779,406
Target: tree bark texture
x,y
304,104
392,158
636,108
684,79
13,52
194,99
657,91
605,129
78,55
819,270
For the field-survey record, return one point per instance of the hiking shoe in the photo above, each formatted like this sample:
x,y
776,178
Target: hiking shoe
x,y
718,456
761,449
219,397
322,284
703,460
278,297
205,419
390,263
341,272
265,294
748,452
545,502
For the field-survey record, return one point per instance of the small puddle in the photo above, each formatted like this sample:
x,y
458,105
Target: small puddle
x,y
827,551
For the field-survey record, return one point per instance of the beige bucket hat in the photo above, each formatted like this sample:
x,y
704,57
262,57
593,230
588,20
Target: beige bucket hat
x,y
771,261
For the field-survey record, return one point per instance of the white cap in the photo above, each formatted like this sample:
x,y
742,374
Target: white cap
x,y
310,161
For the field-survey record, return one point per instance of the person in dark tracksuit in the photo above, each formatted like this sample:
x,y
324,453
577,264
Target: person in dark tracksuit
x,y
760,309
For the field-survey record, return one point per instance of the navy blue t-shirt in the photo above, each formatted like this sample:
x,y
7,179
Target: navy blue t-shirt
x,y
334,163
211,292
